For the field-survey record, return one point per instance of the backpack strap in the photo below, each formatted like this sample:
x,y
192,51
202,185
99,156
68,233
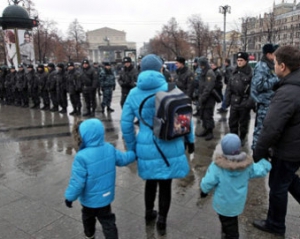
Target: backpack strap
x,y
161,152
141,108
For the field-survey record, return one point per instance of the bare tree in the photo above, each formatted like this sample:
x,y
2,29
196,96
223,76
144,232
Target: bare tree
x,y
245,32
199,34
77,34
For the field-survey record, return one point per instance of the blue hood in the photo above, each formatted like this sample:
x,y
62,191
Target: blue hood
x,y
149,80
92,133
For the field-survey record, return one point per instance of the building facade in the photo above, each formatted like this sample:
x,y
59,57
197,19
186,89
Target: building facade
x,y
108,45
281,26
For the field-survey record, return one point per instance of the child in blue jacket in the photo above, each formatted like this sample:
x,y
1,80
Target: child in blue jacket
x,y
229,175
93,177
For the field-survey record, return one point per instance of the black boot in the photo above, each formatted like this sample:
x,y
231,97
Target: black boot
x,y
78,112
202,133
161,225
54,109
209,135
150,216
102,108
63,111
109,109
88,113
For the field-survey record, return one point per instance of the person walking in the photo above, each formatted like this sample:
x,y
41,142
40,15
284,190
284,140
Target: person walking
x,y
238,97
229,176
151,165
279,140
263,81
93,177
108,85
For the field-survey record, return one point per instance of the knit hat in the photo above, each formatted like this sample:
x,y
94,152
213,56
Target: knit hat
x,y
268,48
243,55
231,144
30,66
126,59
180,59
151,62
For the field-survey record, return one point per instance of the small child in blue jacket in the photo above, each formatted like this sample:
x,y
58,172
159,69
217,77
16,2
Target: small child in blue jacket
x,y
93,177
229,175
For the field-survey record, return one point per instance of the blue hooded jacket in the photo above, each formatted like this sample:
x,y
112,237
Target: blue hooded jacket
x,y
230,179
94,167
150,163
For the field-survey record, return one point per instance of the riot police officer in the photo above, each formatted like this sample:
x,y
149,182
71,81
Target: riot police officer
x,y
41,78
61,88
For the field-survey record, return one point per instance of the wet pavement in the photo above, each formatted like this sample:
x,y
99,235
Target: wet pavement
x,y
36,153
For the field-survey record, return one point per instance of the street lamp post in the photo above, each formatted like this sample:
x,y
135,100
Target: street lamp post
x,y
224,10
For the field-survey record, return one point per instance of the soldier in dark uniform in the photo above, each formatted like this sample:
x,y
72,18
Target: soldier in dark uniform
x,y
184,78
51,85
10,85
3,73
238,97
33,87
127,79
74,88
90,82
206,99
61,88
219,83
41,77
22,87
108,85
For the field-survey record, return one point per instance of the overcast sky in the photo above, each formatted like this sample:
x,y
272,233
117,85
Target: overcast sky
x,y
142,19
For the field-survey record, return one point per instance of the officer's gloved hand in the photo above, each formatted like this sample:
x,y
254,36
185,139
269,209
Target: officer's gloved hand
x,y
190,147
203,195
68,203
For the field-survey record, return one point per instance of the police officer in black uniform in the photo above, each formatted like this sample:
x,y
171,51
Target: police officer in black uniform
x,y
51,85
41,77
74,88
33,87
90,82
61,88
22,87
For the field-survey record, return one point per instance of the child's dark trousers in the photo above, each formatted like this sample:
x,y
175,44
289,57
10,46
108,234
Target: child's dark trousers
x,y
106,218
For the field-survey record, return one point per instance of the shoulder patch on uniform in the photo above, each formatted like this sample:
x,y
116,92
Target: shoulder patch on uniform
x,y
208,78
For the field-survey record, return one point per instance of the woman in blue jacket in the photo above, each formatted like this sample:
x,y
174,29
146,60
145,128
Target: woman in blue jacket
x,y
93,177
151,165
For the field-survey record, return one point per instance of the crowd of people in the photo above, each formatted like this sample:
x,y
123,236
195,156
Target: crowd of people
x,y
270,90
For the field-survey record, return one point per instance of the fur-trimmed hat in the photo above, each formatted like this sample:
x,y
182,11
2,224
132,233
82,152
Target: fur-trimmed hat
x,y
268,48
180,59
202,61
243,55
231,144
151,62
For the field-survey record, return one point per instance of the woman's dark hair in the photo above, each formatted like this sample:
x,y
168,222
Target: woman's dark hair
x,y
289,55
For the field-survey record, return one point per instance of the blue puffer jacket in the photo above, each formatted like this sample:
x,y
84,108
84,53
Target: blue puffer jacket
x,y
150,163
94,167
230,179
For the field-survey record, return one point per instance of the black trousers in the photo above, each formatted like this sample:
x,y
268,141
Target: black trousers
x,y
239,121
90,100
230,227
106,218
164,201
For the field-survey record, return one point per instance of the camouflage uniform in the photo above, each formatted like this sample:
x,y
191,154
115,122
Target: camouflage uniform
x,y
263,81
108,84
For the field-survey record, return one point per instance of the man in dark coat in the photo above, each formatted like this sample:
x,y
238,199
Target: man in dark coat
x,y
108,85
61,88
207,101
280,140
184,77
127,79
238,97
74,88
90,83
51,85
227,73
21,87
41,77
